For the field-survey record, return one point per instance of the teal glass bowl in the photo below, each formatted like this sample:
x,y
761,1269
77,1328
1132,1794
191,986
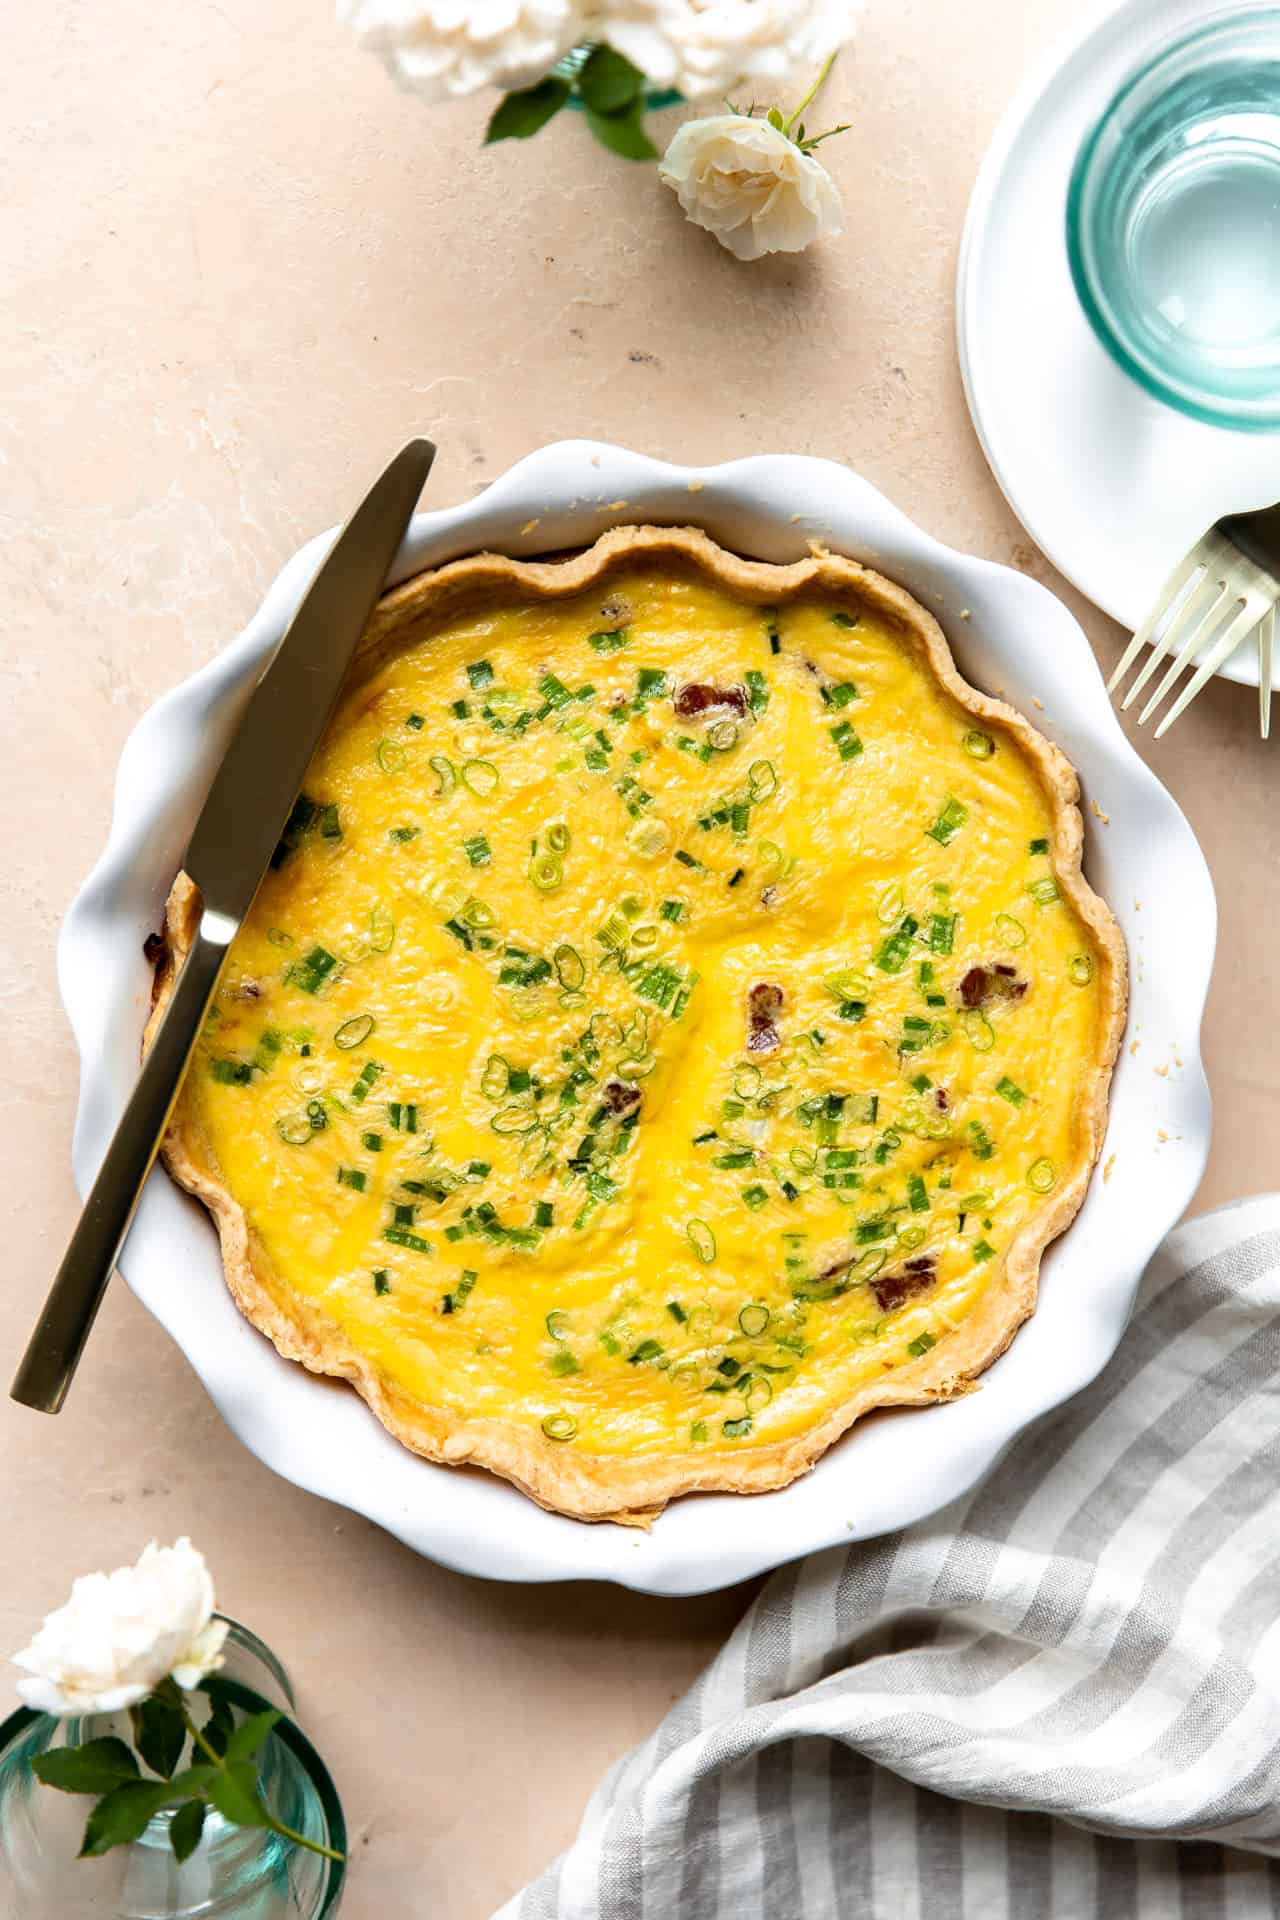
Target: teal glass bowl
x,y
1173,222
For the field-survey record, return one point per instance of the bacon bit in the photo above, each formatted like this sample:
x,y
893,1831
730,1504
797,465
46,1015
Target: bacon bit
x,y
942,1099
998,982
767,896
247,990
696,697
619,1097
764,1004
616,609
154,949
917,1276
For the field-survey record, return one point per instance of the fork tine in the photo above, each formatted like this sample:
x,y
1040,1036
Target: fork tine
x,y
1197,633
1165,605
1266,651
1220,652
1198,610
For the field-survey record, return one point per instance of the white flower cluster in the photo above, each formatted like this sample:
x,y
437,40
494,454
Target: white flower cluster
x,y
120,1634
750,186
701,47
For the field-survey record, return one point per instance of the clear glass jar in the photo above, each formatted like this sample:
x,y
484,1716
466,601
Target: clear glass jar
x,y
245,1872
1173,222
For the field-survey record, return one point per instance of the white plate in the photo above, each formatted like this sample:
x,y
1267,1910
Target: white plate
x,y
1111,484
1009,634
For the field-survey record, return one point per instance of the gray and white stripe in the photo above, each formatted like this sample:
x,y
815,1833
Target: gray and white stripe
x,y
1058,1697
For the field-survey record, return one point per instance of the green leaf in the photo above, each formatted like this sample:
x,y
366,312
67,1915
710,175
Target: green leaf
x,y
96,1767
776,120
192,1780
623,133
217,1728
249,1735
518,116
124,1815
608,83
234,1792
159,1733
186,1827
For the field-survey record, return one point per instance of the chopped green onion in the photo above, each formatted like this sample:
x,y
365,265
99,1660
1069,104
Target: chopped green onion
x,y
948,823
1010,1091
737,1429
978,745
391,756
514,1120
564,1363
478,850
609,642
646,1351
570,971
373,1141
754,1197
352,1033
892,954
847,743
310,974
921,1344
983,1145
480,674
443,769
368,1074
982,1035
1044,892
402,1237
1042,1176
917,1194
557,1323
722,735
559,1426
1038,846
558,837
1080,967
479,777
1010,932
702,1240
405,834
382,1281
942,932
352,1177
554,691
698,1432
673,910
983,1251
757,689
762,778
295,1129
753,1319
546,871
404,1118
651,683
415,722
846,620
231,1073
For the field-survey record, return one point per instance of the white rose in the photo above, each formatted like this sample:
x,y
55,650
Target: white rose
x,y
750,186
440,48
715,47
120,1634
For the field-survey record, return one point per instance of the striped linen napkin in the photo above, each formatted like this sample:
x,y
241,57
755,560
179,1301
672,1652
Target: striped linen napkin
x,y
1058,1697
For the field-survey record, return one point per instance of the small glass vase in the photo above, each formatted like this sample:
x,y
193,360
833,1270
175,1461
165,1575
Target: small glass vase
x,y
246,1872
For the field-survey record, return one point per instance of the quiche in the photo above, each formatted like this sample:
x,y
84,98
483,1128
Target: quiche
x,y
674,1023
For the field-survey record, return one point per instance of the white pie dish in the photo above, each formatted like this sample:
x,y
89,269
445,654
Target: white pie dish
x,y
1011,636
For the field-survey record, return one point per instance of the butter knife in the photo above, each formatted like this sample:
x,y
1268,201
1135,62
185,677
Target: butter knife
x,y
238,830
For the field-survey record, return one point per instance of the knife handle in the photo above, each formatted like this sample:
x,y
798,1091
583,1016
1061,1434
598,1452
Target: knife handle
x,y
57,1342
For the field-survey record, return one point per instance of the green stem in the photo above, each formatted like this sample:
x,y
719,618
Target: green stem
x,y
812,94
274,1825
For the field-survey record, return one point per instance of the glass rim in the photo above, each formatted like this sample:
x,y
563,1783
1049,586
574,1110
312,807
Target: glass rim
x,y
1155,377
23,1719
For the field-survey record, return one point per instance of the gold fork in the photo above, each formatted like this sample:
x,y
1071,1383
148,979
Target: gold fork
x,y
1226,588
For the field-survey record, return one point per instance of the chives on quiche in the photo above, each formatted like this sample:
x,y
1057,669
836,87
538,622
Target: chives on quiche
x,y
708,1061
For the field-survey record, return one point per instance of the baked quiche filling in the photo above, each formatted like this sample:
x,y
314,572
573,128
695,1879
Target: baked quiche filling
x,y
665,1016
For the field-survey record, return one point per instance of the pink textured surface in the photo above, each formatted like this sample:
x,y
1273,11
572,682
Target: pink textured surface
x,y
241,267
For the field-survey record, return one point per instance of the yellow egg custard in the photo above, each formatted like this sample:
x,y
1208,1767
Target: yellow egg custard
x,y
674,1023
